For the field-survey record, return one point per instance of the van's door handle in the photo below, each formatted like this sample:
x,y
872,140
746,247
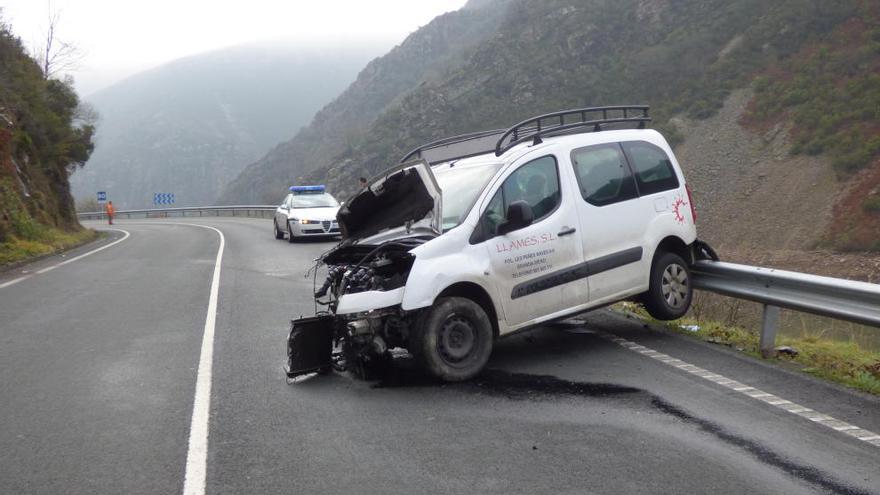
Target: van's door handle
x,y
566,231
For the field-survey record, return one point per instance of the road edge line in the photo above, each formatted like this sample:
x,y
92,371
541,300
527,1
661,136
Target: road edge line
x,y
71,260
867,436
195,476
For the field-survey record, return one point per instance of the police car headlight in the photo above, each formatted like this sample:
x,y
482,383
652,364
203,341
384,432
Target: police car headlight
x,y
306,222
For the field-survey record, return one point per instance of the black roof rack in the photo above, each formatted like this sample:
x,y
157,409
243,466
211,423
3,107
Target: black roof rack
x,y
443,150
499,140
562,122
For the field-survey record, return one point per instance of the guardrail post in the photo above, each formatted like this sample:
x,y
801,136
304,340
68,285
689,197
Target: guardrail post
x,y
768,330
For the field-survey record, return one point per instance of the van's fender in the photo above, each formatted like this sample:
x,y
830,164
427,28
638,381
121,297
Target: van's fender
x,y
443,262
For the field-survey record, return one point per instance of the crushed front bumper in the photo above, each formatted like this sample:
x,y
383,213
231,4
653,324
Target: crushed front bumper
x,y
309,345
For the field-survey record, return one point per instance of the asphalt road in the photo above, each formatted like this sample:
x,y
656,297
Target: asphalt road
x,y
99,359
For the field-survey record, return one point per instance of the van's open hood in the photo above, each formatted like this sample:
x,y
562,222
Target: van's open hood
x,y
404,195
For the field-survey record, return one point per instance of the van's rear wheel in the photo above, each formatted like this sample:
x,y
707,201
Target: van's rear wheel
x,y
670,290
453,339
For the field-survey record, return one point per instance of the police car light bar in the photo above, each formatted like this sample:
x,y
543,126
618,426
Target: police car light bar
x,y
307,189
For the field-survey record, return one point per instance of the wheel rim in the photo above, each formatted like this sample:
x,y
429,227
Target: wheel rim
x,y
674,285
457,340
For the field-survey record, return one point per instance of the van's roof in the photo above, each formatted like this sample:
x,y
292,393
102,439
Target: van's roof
x,y
568,141
533,130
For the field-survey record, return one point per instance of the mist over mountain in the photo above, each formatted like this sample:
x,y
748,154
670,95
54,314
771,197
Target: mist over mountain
x,y
188,127
341,126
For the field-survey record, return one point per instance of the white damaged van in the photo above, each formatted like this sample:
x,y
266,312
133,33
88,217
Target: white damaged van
x,y
478,236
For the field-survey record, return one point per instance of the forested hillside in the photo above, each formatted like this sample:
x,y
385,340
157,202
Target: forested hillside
x,y
684,58
41,142
191,125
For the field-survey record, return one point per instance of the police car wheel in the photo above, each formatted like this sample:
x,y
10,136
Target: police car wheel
x,y
290,237
670,290
453,339
278,233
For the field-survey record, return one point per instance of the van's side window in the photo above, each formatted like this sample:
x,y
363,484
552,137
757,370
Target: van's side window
x,y
603,175
536,183
494,215
654,172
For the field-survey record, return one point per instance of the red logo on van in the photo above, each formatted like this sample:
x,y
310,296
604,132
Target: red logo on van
x,y
676,209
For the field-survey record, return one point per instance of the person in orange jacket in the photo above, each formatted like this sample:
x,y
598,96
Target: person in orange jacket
x,y
110,211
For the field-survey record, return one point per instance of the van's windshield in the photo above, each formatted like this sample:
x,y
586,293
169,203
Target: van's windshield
x,y
461,184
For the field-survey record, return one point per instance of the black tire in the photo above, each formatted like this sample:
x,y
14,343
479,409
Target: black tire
x,y
278,233
670,290
290,237
453,339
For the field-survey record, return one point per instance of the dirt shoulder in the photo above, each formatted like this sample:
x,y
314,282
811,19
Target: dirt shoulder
x,y
17,252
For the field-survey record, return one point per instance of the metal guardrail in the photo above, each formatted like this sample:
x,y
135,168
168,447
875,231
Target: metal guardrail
x,y
858,302
261,211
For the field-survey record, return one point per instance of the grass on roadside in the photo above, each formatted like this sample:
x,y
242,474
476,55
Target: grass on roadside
x,y
46,241
842,362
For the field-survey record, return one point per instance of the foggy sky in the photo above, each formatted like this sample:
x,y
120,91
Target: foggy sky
x,y
122,37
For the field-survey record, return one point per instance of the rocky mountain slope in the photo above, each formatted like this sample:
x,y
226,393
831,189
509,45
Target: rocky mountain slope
x,y
763,177
188,127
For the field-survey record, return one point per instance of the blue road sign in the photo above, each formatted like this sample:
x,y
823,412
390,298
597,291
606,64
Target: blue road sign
x,y
102,196
163,198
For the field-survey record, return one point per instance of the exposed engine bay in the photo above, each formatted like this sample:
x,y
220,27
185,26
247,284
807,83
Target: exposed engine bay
x,y
353,269
358,342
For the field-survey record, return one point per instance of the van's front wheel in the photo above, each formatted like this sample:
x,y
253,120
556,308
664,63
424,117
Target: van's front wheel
x,y
453,339
670,290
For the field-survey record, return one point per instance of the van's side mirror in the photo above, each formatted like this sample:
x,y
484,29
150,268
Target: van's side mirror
x,y
519,215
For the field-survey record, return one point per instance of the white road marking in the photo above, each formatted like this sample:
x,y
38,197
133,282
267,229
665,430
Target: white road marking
x,y
798,409
195,477
71,260
14,281
862,434
197,452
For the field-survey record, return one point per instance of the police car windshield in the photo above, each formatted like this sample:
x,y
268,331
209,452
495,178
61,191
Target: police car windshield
x,y
311,200
461,184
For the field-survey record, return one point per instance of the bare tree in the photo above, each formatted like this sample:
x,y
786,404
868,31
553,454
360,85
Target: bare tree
x,y
85,114
54,54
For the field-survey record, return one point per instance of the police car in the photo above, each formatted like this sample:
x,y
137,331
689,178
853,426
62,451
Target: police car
x,y
482,235
308,211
